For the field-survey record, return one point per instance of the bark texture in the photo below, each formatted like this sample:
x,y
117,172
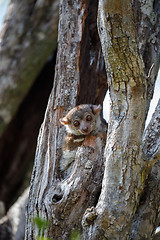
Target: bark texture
x,y
147,217
147,23
64,201
126,168
79,205
27,39
122,182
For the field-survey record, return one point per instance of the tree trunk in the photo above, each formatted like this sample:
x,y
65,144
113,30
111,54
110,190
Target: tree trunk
x,y
12,225
17,163
28,38
27,41
79,205
50,194
147,216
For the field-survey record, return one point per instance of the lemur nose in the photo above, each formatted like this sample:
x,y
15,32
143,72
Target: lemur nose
x,y
85,129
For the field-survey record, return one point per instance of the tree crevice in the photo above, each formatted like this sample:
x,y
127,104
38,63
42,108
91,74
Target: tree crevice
x,y
91,63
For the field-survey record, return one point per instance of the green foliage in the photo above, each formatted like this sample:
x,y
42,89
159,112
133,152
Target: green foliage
x,y
42,238
75,235
41,225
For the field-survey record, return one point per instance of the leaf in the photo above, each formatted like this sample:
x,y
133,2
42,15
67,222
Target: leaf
x,y
40,223
42,238
75,235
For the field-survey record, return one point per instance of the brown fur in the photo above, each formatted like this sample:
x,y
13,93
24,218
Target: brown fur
x,y
81,121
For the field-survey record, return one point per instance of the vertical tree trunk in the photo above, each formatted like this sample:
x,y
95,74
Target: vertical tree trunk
x,y
123,177
125,168
147,215
28,38
110,208
63,202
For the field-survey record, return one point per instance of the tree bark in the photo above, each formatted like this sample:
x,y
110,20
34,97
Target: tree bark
x,y
52,197
27,39
122,182
124,177
147,215
80,204
125,170
17,163
147,23
12,225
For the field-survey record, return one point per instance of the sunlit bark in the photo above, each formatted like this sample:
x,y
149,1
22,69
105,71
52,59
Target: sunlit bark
x,y
110,210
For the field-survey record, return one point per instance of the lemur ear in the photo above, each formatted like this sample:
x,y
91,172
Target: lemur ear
x,y
64,121
96,108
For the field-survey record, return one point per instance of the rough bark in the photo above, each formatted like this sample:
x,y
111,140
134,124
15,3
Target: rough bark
x,y
126,168
64,201
156,236
27,39
147,217
122,182
147,23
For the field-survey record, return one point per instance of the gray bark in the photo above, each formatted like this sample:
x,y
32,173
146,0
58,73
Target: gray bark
x,y
126,167
67,202
27,39
147,217
16,216
56,199
147,23
12,226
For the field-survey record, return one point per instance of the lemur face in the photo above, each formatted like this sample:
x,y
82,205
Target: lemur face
x,y
82,120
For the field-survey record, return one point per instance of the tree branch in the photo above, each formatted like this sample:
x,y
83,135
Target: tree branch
x,y
147,19
12,225
151,138
146,218
27,39
63,201
123,177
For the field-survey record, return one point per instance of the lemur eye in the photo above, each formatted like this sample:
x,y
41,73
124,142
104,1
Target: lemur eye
x,y
89,118
76,123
